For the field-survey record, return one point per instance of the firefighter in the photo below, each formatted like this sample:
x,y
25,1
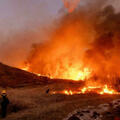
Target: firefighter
x,y
4,103
48,90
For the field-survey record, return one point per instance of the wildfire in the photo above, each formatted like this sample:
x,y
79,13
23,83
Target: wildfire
x,y
107,90
72,73
89,89
25,68
68,92
81,75
76,74
80,50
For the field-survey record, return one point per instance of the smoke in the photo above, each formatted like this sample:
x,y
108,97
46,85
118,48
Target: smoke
x,y
104,51
88,37
15,47
62,55
22,24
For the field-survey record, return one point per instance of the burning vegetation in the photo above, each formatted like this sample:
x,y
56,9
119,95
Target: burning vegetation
x,y
84,46
90,89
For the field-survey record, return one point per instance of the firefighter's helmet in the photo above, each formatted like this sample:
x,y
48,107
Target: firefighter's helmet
x,y
3,92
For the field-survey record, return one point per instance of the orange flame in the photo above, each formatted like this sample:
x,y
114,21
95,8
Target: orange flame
x,y
81,75
25,68
76,74
68,92
104,90
72,73
107,90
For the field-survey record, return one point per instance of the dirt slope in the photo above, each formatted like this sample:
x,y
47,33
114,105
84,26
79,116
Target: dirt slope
x,y
14,77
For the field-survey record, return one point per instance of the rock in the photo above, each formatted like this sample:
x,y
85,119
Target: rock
x,y
73,118
85,111
95,113
103,108
116,101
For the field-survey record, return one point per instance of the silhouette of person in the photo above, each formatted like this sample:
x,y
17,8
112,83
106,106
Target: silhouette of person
x,y
4,103
47,91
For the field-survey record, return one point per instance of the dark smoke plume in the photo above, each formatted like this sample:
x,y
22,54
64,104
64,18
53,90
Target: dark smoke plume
x,y
105,48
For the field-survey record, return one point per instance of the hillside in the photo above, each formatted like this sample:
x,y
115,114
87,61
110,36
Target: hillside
x,y
14,77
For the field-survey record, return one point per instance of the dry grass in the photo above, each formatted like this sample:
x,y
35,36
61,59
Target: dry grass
x,y
34,104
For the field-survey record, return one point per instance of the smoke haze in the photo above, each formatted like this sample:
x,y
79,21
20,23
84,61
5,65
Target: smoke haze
x,y
29,23
22,24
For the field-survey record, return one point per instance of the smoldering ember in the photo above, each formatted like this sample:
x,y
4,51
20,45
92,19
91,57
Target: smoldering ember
x,y
59,60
